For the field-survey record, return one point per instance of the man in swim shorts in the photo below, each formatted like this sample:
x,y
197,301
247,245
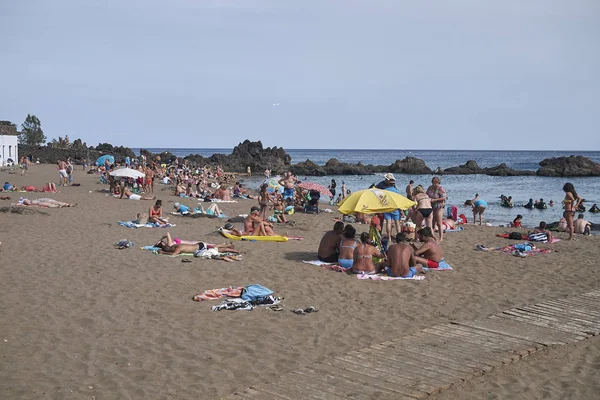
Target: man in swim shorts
x,y
288,182
62,170
390,185
431,253
330,242
401,261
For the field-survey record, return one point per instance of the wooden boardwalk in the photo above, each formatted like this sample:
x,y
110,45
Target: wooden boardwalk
x,y
434,359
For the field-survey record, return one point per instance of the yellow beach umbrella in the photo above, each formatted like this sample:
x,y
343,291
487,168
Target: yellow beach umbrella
x,y
371,201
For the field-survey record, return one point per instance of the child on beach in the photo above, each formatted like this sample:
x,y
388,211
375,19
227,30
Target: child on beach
x,y
517,221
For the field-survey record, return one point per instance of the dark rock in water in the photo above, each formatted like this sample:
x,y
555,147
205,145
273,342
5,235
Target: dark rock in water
x,y
308,168
471,167
409,165
334,167
568,166
247,154
504,170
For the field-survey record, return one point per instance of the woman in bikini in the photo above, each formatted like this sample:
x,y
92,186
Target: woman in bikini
x,y
347,246
363,256
425,211
263,200
570,204
155,214
437,194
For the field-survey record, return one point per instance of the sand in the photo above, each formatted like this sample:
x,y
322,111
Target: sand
x,y
82,320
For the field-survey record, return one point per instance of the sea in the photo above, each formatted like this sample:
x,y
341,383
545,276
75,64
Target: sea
x,y
458,187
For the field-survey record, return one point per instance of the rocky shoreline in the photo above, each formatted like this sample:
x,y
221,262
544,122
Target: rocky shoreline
x,y
254,155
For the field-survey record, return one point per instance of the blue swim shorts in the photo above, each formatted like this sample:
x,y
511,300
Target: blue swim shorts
x,y
412,271
288,193
394,215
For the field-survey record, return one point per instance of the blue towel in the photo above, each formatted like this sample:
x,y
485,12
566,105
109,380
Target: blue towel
x,y
151,248
127,224
460,228
444,265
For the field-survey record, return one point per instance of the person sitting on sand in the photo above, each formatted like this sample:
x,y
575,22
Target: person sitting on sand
x,y
517,221
562,225
50,187
400,259
279,209
7,187
177,246
431,253
180,189
222,194
330,242
347,246
542,229
363,256
45,202
256,226
128,194
155,214
582,226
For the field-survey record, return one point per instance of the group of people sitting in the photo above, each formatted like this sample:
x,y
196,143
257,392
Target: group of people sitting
x,y
403,259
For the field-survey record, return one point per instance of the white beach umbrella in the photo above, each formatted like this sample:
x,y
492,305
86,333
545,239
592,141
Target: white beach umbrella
x,y
127,173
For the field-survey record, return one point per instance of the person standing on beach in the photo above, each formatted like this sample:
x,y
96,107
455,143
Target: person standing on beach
x,y
437,194
25,165
409,190
249,171
479,207
332,187
390,185
343,190
288,182
570,204
62,170
149,179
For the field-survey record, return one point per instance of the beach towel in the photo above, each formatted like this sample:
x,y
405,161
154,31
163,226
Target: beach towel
x,y
133,225
329,266
530,237
247,305
387,278
213,294
510,249
442,266
460,228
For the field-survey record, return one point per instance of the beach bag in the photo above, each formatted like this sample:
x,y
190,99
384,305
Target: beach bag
x,y
515,235
255,292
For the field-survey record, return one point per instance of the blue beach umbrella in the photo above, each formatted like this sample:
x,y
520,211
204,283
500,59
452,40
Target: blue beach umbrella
x,y
273,185
100,161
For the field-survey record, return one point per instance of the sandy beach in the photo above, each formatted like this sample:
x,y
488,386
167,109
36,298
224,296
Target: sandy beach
x,y
82,320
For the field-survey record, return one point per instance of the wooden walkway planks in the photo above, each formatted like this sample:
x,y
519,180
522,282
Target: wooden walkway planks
x,y
436,358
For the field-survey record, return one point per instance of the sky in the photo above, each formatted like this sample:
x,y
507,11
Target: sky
x,y
429,74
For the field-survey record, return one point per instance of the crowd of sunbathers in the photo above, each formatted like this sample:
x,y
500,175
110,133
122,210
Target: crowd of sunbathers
x,y
360,256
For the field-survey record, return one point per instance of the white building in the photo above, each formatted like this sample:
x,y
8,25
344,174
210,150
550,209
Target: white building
x,y
9,146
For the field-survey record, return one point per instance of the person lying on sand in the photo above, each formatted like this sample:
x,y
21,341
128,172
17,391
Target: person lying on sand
x,y
128,194
401,260
329,246
177,246
45,202
4,197
431,252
